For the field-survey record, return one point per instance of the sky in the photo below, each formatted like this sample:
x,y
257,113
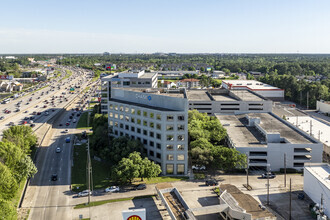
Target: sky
x,y
181,26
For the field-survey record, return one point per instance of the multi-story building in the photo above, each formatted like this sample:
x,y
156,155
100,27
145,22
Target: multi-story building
x,y
129,79
158,118
269,141
213,101
188,83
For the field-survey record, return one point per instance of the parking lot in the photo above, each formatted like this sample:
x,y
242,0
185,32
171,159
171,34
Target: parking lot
x,y
196,194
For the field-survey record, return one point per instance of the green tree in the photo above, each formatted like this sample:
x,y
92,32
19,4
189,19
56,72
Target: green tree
x,y
22,136
228,158
8,184
7,211
125,171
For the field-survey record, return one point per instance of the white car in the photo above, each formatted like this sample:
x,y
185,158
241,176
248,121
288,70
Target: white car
x,y
197,167
58,150
65,131
112,189
84,193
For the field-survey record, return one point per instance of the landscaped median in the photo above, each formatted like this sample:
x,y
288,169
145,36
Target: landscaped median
x,y
82,123
97,203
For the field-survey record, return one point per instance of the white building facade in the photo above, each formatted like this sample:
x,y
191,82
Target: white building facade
x,y
317,184
159,122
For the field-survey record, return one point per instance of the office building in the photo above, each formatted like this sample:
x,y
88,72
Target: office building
x,y
158,118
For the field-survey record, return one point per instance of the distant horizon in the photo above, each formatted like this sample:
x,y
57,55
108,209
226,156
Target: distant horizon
x,y
153,53
147,26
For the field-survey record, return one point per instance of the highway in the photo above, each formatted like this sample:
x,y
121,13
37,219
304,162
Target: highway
x,y
45,198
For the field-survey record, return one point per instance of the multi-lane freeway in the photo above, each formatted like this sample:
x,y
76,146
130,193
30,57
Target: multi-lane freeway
x,y
47,198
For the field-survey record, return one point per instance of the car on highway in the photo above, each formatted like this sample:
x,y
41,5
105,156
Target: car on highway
x,y
67,139
58,150
11,123
2,117
84,193
74,120
60,125
112,189
67,124
211,182
26,112
270,174
32,125
54,177
38,113
141,187
65,131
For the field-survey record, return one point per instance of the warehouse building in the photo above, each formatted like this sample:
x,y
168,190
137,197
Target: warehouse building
x,y
265,90
267,139
158,119
317,184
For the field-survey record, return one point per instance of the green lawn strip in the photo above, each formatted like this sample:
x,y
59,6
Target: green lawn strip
x,y
68,74
15,200
199,176
100,171
97,203
82,123
160,179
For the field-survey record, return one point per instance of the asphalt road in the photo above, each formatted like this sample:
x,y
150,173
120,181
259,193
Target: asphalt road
x,y
45,198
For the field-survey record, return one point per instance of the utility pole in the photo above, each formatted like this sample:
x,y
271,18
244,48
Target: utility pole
x,y
268,165
285,170
307,99
247,171
89,166
290,202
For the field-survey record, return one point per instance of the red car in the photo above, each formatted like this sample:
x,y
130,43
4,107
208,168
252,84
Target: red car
x,y
39,113
67,124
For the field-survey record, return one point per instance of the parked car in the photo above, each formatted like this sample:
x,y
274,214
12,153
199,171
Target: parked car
x,y
198,167
271,175
211,182
112,189
141,187
32,125
54,177
84,193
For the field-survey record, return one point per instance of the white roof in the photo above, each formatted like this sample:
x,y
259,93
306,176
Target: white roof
x,y
252,84
320,171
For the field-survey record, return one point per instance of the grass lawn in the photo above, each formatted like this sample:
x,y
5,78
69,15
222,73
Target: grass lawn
x,y
82,123
83,205
160,179
100,171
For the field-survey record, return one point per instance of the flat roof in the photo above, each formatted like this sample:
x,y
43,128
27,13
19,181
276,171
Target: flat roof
x,y
198,95
252,84
320,171
143,106
223,97
246,95
147,75
248,136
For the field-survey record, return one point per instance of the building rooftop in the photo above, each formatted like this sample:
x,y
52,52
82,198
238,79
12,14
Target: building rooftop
x,y
158,91
198,95
142,105
321,171
223,97
251,84
246,95
243,135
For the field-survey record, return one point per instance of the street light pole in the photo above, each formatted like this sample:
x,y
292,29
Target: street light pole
x,y
268,184
285,170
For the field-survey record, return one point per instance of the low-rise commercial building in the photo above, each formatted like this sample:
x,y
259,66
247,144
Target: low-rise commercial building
x,y
317,184
323,106
267,91
268,139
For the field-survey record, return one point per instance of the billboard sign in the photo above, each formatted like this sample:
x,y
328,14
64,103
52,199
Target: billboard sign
x,y
134,214
110,66
208,69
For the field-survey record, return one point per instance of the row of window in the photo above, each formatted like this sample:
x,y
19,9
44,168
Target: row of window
x,y
144,113
169,137
170,169
169,147
145,123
